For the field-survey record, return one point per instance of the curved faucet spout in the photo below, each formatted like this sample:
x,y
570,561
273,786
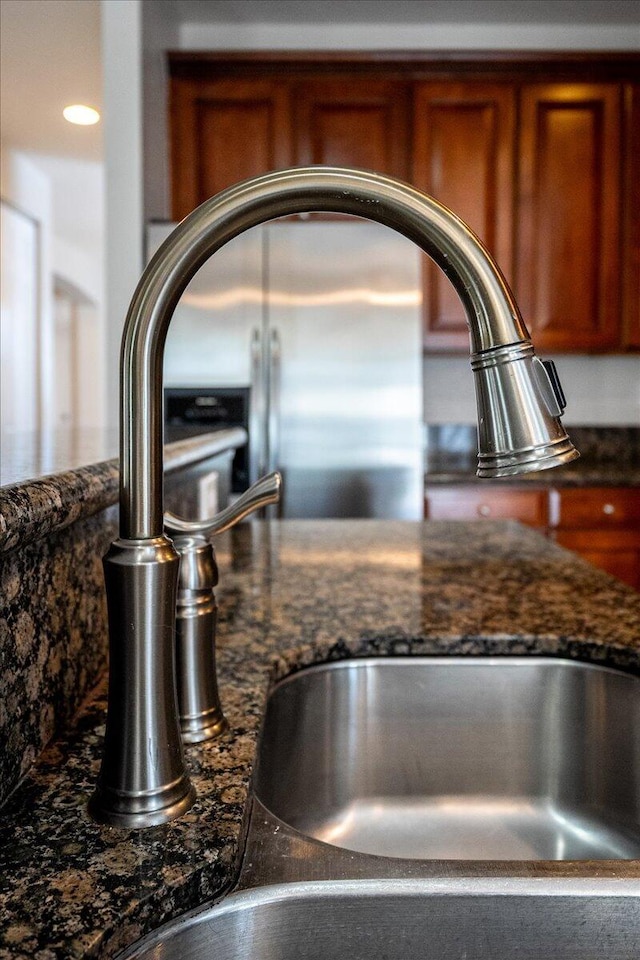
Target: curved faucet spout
x,y
143,780
493,316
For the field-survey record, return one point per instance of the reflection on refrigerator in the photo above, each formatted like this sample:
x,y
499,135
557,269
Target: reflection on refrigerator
x,y
321,319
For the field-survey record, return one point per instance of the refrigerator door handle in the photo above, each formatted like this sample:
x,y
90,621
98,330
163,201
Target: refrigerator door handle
x,y
258,447
274,381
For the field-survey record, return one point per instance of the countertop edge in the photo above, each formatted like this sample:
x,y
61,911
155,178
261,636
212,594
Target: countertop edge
x,y
32,509
588,475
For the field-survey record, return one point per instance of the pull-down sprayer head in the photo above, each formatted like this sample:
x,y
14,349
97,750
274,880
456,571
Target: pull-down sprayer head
x,y
520,402
143,780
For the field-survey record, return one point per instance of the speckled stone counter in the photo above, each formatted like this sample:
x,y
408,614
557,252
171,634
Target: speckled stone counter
x,y
609,457
292,593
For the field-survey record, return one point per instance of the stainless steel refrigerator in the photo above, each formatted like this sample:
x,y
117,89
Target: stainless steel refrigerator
x,y
321,319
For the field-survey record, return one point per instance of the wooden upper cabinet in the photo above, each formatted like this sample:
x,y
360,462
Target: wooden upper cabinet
x,y
224,131
540,156
352,122
568,277
463,155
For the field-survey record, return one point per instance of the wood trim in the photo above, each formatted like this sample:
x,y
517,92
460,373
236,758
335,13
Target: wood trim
x,y
415,64
631,219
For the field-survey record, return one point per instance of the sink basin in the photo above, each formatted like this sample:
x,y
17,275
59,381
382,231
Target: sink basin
x,y
457,758
403,920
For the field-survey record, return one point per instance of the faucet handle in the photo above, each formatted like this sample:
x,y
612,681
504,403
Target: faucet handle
x,y
200,713
262,492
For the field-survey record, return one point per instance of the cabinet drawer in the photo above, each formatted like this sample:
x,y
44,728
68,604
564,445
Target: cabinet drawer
x,y
486,503
601,507
583,541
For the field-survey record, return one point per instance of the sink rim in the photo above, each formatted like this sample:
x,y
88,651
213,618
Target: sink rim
x,y
494,659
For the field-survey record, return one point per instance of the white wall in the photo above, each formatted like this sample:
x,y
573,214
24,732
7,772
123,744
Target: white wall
x,y
59,194
159,34
50,57
79,268
78,221
28,189
124,225
78,265
599,390
412,36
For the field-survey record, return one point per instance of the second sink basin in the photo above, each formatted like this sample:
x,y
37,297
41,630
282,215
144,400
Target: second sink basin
x,y
405,920
455,758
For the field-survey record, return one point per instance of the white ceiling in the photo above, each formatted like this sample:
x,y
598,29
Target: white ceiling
x,y
50,57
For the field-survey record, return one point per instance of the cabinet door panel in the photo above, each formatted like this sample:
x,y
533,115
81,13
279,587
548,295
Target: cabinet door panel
x,y
463,156
223,132
602,524
355,122
617,553
568,266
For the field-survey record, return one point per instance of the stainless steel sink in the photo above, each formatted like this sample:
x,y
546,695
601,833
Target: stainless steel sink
x,y
406,920
457,758
424,760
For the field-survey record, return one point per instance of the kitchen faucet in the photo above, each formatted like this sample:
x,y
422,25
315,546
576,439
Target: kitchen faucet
x,y
143,779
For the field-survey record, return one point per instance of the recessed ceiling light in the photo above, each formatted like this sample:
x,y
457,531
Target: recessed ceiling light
x,y
78,113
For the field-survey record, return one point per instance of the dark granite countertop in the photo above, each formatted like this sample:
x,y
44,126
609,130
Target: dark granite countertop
x,y
580,473
292,593
609,457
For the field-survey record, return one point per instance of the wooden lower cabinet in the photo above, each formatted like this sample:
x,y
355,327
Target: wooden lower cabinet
x,y
602,524
618,554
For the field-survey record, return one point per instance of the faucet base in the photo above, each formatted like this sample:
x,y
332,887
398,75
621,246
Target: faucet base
x,y
206,726
135,812
143,780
